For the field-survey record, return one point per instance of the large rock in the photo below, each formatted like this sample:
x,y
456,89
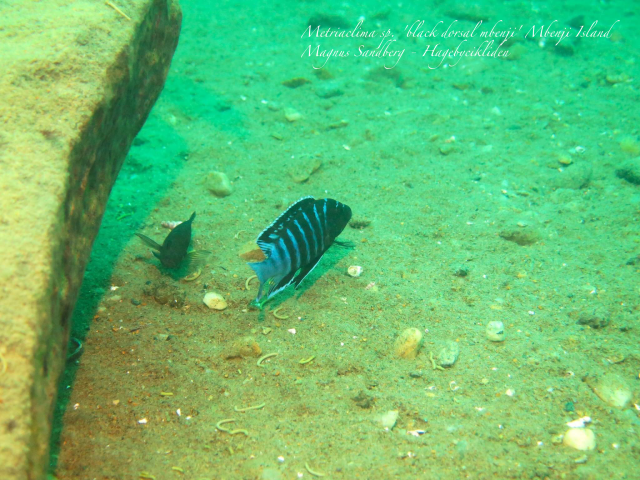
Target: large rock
x,y
77,81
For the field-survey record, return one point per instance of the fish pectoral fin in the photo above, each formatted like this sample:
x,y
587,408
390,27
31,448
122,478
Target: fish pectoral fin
x,y
151,243
198,255
345,244
306,270
196,258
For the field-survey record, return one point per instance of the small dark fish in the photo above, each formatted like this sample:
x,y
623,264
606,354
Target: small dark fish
x,y
295,243
174,248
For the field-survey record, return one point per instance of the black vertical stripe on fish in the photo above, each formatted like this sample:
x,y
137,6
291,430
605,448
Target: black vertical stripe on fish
x,y
320,228
304,252
296,241
292,249
313,235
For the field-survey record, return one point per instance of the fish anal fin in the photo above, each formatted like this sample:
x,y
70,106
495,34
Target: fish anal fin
x,y
281,285
306,270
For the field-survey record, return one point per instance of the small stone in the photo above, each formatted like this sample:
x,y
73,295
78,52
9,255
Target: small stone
x,y
575,177
251,252
295,82
161,337
329,90
388,419
214,301
448,354
292,115
462,271
564,159
557,439
593,321
495,331
323,74
516,52
363,400
218,184
166,294
630,145
135,302
359,223
337,125
243,347
580,439
630,171
522,236
447,148
408,343
468,10
612,79
304,168
324,20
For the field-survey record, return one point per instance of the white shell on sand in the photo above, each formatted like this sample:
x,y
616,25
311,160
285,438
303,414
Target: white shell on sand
x,y
214,301
612,390
389,419
580,439
408,343
354,271
495,331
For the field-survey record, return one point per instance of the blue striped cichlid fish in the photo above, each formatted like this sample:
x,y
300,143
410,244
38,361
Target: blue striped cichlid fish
x,y
295,242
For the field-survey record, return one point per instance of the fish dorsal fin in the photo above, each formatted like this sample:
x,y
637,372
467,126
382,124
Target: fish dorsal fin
x,y
269,235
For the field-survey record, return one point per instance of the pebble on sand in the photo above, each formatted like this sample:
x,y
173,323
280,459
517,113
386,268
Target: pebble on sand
x,y
580,439
214,301
448,354
303,168
242,347
408,343
292,115
218,184
630,171
251,252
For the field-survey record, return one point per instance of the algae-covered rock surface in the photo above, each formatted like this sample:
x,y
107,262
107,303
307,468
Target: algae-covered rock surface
x,y
77,81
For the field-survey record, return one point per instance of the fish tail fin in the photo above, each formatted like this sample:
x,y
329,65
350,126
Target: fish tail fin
x,y
151,243
260,269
